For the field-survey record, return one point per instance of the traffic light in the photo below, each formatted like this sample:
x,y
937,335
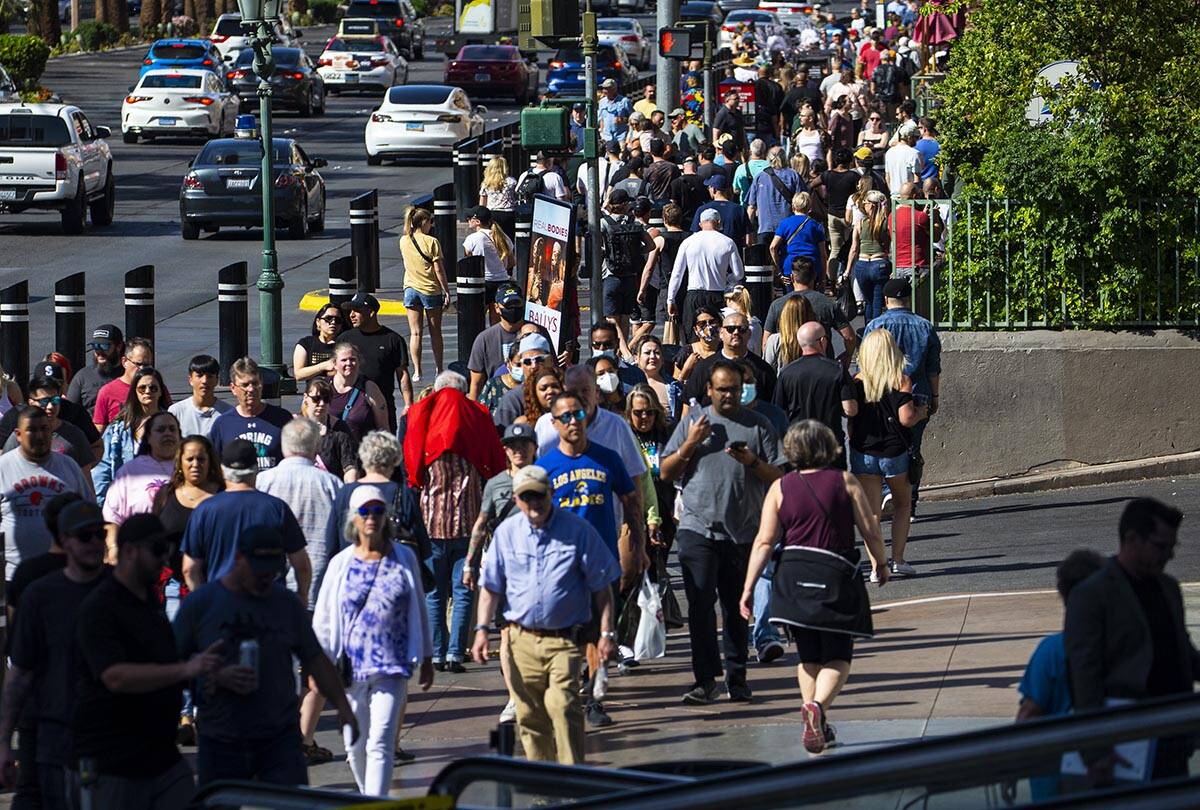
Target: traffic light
x,y
675,43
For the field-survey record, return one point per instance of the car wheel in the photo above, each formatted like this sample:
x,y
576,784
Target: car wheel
x,y
374,160
321,108
129,137
318,224
74,216
190,230
298,227
306,106
103,208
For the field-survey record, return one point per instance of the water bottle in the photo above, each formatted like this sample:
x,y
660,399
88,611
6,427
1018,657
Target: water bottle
x,y
248,656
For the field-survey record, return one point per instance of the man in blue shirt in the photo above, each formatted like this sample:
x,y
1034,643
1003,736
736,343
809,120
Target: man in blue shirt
x,y
550,566
613,112
928,146
770,197
734,223
922,349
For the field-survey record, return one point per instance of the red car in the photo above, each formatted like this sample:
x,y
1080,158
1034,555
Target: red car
x,y
494,70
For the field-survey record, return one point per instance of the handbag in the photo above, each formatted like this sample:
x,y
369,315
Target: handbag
x,y
846,299
405,537
916,462
344,667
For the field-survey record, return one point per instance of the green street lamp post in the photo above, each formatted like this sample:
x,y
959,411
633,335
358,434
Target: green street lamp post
x,y
257,18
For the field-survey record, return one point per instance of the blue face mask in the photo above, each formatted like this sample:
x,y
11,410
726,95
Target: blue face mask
x,y
749,392
518,374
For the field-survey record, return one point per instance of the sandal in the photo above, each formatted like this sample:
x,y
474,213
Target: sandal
x,y
403,756
315,754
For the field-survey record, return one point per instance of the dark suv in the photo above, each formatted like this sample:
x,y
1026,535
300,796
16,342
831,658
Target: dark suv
x,y
397,19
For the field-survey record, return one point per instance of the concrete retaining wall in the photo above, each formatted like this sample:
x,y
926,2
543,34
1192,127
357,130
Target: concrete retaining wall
x,y
1013,403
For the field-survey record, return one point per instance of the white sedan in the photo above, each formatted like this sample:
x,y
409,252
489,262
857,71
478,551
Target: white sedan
x,y
348,63
418,119
628,33
183,103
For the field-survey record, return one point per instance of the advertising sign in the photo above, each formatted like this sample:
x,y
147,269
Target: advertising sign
x,y
745,93
550,280
475,17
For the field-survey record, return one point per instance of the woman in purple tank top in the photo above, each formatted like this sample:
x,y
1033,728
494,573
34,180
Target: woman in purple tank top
x,y
817,591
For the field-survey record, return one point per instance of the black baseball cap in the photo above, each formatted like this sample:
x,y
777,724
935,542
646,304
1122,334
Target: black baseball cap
x,y
618,196
481,213
613,147
508,294
51,370
518,433
144,528
263,547
363,300
897,288
79,517
239,454
106,331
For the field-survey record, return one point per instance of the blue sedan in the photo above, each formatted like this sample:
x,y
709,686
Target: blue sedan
x,y
183,53
566,69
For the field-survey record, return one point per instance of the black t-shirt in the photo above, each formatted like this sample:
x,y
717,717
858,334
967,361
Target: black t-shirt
x,y
707,170
876,428
30,571
828,313
130,736
697,382
337,451
68,411
318,352
659,177
731,121
813,387
1165,673
86,385
768,96
44,644
384,352
666,257
688,192
839,186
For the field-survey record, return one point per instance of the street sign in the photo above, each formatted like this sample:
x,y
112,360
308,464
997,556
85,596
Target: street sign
x,y
675,43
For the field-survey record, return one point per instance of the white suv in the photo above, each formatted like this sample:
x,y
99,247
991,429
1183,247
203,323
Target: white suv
x,y
230,38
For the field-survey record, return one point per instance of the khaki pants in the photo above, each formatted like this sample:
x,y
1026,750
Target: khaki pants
x,y
545,683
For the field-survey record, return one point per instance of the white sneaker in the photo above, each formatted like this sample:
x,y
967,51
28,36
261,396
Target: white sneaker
x,y
874,577
509,715
902,569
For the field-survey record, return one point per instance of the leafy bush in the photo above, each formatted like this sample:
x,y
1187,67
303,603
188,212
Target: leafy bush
x,y
93,35
444,10
24,57
184,26
323,11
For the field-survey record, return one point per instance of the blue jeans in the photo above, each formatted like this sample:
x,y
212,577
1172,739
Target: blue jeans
x,y
763,632
277,760
871,274
446,563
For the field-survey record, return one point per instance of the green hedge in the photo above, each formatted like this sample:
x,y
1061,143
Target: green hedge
x,y
323,11
93,35
24,57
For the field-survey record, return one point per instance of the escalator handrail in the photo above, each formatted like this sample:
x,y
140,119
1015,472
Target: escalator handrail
x,y
550,777
236,793
982,756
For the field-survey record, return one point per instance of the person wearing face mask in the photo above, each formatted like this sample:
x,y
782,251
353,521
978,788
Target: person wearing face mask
x,y
612,392
735,347
500,384
490,348
531,353
706,327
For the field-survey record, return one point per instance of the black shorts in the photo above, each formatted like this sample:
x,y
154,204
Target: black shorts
x,y
822,646
620,295
647,312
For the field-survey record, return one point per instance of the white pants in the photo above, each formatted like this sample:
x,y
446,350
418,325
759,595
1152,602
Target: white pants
x,y
376,703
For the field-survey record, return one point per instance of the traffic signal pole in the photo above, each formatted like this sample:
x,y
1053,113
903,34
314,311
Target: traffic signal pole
x,y
666,71
592,158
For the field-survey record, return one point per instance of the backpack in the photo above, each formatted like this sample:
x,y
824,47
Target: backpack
x,y
625,245
885,77
531,184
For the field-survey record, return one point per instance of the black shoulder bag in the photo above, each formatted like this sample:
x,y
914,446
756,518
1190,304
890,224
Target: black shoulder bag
x,y
916,462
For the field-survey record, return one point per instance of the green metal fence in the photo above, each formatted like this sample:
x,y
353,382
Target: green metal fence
x,y
1005,264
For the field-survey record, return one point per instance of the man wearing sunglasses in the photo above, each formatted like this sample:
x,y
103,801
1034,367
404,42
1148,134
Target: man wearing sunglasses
x,y
554,574
43,649
107,347
45,393
139,354
735,347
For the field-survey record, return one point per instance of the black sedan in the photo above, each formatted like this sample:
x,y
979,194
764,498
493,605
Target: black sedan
x,y
223,189
295,85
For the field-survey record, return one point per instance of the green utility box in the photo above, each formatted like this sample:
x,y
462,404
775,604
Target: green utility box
x,y
545,128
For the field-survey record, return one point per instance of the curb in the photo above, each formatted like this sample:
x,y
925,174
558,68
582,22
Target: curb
x,y
1158,467
315,299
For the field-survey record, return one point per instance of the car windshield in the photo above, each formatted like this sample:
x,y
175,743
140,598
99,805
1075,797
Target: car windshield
x,y
372,8
240,153
749,16
615,25
33,130
162,80
356,45
229,27
486,53
284,57
178,50
418,94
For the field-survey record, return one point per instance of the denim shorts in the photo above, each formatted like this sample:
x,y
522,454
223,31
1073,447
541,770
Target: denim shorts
x,y
415,300
864,464
620,295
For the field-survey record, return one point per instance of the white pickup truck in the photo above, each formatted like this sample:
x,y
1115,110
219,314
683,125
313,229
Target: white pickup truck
x,y
52,157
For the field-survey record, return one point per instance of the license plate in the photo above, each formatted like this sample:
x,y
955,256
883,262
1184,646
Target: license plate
x,y
232,183
8,193
581,77
168,122
333,77
483,77
415,126
350,78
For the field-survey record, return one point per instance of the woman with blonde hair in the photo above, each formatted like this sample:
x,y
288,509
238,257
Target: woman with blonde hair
x,y
868,257
880,437
487,239
426,291
783,346
799,235
498,192
737,299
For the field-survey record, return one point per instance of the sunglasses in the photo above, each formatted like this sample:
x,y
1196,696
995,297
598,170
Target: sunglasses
x,y
46,401
705,324
568,417
100,346
330,319
91,536
531,497
640,412
318,398
147,389
603,344
533,361
371,511
139,365
736,330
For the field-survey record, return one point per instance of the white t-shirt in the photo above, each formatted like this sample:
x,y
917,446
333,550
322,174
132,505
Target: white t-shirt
x,y
901,164
480,243
192,420
25,488
551,180
706,260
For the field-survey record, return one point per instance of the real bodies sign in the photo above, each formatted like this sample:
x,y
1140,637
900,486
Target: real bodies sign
x,y
745,94
551,259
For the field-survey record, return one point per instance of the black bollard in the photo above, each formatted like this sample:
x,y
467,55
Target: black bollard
x,y
521,245
364,239
445,227
14,330
232,319
759,271
139,302
471,293
465,195
342,280
70,319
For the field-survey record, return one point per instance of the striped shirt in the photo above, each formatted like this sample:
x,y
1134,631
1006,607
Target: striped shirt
x,y
451,498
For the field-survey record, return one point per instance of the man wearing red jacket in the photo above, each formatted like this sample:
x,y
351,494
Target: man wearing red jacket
x,y
450,449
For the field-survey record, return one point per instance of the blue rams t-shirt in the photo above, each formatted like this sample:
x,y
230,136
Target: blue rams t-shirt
x,y
262,431
588,486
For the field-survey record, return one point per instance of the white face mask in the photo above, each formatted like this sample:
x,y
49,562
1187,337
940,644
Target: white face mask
x,y
608,382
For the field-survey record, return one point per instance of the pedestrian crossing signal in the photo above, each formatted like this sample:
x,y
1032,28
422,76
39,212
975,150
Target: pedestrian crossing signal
x,y
675,43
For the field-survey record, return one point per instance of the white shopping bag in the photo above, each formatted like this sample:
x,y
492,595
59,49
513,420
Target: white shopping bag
x,y
651,639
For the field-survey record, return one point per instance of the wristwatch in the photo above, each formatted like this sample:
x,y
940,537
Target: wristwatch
x,y
609,634
484,627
